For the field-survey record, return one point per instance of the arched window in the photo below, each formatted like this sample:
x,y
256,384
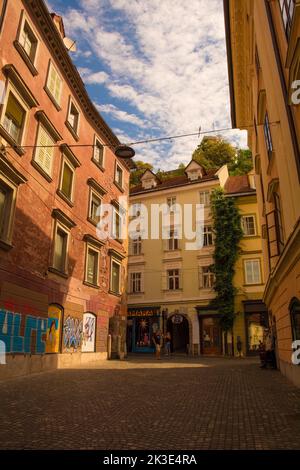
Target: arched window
x,y
295,318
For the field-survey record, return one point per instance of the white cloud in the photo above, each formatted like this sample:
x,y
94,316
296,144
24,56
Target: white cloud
x,y
121,115
168,60
92,78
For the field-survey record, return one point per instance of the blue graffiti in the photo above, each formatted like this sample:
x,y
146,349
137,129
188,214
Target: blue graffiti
x,y
10,334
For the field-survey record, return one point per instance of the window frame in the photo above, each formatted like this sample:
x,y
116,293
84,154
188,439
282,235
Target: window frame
x,y
209,275
12,90
284,6
245,216
135,281
136,242
66,161
92,193
90,247
258,261
56,103
37,165
175,278
120,186
30,62
74,132
268,136
119,263
206,235
6,224
59,226
172,241
99,165
294,309
205,192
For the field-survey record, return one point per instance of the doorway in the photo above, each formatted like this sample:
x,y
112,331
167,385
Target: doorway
x,y
179,328
211,336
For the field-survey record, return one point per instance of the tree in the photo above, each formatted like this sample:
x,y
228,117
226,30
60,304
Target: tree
x,y
135,175
165,175
214,152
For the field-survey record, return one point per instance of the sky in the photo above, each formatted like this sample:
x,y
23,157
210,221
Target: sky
x,y
154,68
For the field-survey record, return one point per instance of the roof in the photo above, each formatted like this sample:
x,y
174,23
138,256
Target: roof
x,y
182,180
238,184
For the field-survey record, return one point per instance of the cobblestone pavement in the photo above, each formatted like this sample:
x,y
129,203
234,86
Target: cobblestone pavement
x,y
177,403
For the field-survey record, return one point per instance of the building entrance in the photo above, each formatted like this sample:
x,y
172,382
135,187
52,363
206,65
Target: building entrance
x,y
178,326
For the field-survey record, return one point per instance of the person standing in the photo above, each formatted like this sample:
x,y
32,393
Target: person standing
x,y
168,343
157,338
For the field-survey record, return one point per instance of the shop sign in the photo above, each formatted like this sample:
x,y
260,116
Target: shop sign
x,y
144,312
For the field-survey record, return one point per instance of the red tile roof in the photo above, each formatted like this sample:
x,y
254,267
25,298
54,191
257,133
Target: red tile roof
x,y
238,184
175,181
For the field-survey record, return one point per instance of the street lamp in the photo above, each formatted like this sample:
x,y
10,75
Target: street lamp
x,y
124,151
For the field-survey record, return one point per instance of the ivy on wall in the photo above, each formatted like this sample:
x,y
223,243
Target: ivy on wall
x,y
228,233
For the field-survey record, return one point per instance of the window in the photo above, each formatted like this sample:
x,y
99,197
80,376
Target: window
x,y
54,84
98,155
207,277
248,225
14,118
92,266
268,136
28,41
207,235
136,246
44,152
73,117
6,199
278,221
205,198
173,279
117,224
171,201
67,180
257,61
119,176
295,318
252,271
60,249
95,204
173,242
287,8
135,282
115,277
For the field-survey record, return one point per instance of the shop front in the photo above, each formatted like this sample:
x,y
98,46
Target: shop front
x,y
142,323
210,332
256,320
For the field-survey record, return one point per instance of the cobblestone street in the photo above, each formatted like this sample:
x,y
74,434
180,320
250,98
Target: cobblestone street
x,y
178,403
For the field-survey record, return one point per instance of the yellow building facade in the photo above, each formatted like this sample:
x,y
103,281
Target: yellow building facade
x,y
263,48
170,287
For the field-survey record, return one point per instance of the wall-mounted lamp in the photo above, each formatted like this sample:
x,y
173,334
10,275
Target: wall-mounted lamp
x,y
124,151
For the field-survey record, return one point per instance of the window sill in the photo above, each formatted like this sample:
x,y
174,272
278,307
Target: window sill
x,y
5,245
253,285
173,290
59,273
118,186
73,132
172,251
41,171
98,165
65,198
117,294
52,98
89,284
93,222
15,146
251,236
26,58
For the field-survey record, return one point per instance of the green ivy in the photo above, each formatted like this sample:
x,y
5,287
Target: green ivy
x,y
228,233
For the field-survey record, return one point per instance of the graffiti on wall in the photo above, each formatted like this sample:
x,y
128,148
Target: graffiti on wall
x,y
72,334
53,329
29,340
89,330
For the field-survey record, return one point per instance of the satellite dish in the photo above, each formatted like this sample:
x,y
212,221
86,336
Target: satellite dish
x,y
70,44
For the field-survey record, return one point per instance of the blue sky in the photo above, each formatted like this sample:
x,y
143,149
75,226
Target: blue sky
x,y
153,68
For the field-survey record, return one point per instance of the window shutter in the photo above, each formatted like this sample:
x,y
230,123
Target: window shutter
x,y
44,155
200,277
142,282
164,280
180,279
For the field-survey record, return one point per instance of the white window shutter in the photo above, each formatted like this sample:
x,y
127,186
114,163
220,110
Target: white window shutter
x,y
45,151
